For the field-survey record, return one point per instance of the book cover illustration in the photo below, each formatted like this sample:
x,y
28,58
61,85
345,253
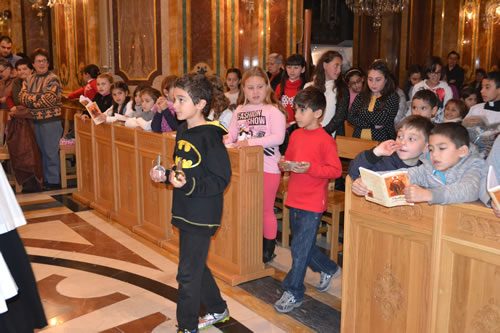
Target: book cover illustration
x,y
93,110
386,188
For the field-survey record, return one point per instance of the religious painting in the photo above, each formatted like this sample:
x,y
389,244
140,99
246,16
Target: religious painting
x,y
137,40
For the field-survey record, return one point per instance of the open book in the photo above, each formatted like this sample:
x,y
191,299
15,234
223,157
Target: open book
x,y
493,186
387,188
93,110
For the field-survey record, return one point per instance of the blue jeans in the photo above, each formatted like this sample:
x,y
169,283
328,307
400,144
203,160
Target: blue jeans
x,y
304,226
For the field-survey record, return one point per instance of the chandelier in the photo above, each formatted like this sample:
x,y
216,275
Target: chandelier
x,y
492,13
376,8
41,5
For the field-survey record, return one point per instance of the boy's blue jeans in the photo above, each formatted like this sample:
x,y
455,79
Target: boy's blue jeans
x,y
304,226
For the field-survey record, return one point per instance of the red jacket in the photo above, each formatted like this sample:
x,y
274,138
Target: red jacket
x,y
89,91
308,191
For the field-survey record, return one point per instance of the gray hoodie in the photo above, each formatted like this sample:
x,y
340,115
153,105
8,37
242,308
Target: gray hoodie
x,y
457,184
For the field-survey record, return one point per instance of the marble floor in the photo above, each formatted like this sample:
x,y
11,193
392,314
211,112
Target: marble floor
x,y
96,276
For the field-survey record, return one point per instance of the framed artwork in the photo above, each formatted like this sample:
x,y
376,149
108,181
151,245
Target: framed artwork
x,y
137,38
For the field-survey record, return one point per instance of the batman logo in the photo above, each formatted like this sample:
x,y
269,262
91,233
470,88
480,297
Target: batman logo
x,y
188,154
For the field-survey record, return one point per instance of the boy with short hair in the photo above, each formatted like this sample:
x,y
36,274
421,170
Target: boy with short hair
x,y
483,120
404,152
197,201
490,92
307,196
425,104
451,174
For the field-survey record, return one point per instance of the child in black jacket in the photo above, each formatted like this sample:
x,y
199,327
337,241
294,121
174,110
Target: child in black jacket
x,y
197,201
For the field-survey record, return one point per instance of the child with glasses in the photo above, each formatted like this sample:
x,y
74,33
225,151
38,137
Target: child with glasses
x,y
433,71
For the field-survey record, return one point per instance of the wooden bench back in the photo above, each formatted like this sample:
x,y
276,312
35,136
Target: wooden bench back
x,y
350,147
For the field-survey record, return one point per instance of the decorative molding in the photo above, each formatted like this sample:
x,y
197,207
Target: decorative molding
x,y
487,319
479,227
388,293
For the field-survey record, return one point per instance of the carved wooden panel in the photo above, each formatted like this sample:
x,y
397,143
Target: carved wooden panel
x,y
127,195
104,194
469,289
388,280
85,166
470,222
153,204
137,41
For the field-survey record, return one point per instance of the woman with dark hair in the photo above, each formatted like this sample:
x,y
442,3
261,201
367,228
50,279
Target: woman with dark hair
x,y
374,109
433,71
328,79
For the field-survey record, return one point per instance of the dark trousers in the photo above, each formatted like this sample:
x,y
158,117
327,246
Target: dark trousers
x,y
47,136
196,283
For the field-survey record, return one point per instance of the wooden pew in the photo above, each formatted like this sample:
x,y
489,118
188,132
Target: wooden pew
x,y
113,177
420,268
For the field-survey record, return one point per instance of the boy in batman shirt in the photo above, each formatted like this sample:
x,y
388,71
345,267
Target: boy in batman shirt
x,y
197,201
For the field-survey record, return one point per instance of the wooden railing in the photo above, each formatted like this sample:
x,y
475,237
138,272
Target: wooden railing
x,y
420,268
113,164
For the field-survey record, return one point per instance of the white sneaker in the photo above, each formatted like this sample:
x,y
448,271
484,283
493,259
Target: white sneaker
x,y
286,303
325,280
211,318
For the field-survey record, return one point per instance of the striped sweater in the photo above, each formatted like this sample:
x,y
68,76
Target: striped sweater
x,y
41,94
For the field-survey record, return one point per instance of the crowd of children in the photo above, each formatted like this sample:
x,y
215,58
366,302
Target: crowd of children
x,y
298,121
444,139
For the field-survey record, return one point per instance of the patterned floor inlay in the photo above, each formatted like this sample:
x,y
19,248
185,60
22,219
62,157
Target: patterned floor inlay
x,y
60,309
153,286
99,243
146,324
95,276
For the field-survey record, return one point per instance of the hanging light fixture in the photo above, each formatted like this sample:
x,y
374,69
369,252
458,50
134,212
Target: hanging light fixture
x,y
41,5
492,13
376,8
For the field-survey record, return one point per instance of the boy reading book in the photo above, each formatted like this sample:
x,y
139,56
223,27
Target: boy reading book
x,y
404,152
451,173
307,196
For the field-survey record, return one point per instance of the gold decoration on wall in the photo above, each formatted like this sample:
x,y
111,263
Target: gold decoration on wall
x,y
492,13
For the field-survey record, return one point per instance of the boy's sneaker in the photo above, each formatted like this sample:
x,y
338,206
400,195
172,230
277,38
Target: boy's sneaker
x,y
211,318
187,331
286,303
326,280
